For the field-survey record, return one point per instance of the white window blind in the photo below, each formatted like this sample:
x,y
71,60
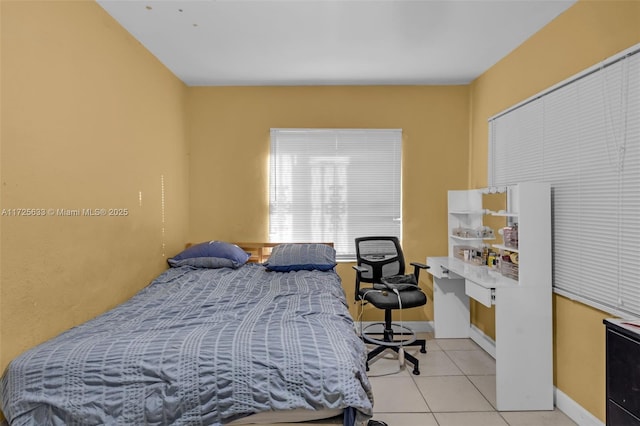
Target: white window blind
x,y
583,137
334,185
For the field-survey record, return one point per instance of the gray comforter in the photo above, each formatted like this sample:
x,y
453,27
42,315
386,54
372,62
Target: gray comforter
x,y
201,347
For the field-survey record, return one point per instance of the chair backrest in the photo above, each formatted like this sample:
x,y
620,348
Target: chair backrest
x,y
382,256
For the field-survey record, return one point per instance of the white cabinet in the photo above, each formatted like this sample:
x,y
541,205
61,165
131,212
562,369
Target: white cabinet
x,y
523,344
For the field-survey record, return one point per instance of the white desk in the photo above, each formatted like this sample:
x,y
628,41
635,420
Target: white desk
x,y
523,344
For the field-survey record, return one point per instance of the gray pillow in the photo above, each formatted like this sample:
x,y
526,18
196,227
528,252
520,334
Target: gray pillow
x,y
211,254
299,257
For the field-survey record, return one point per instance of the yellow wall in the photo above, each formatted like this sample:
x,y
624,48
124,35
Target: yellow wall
x,y
229,136
90,119
587,33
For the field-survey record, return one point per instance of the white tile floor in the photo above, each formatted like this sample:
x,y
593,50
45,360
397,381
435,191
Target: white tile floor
x,y
456,387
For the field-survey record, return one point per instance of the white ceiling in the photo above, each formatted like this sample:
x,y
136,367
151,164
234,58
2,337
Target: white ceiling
x,y
321,42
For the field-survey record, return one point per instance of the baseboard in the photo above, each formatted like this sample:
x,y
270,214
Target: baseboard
x,y
484,341
575,411
564,403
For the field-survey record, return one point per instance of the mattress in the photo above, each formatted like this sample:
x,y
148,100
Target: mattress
x,y
199,346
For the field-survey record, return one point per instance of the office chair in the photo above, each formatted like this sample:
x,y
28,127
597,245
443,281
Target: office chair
x,y
380,262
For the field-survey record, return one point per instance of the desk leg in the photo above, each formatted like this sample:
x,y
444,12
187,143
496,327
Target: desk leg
x,y
450,308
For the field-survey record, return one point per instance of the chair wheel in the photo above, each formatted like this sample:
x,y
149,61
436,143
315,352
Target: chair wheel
x,y
416,372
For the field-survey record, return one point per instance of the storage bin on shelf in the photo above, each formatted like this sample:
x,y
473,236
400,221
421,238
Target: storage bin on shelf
x,y
458,252
483,232
471,254
510,236
464,232
509,264
509,270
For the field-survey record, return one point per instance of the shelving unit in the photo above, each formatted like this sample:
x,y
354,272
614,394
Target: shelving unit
x,y
523,343
465,211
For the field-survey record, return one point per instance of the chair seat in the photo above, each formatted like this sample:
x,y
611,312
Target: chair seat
x,y
382,298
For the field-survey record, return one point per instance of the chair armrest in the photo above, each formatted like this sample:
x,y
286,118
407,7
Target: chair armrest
x,y
416,268
419,265
359,270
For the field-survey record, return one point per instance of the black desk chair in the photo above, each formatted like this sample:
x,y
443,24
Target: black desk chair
x,y
380,262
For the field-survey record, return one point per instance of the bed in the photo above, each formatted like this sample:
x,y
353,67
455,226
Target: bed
x,y
231,338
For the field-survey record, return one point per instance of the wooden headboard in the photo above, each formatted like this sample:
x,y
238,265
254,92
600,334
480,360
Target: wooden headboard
x,y
259,252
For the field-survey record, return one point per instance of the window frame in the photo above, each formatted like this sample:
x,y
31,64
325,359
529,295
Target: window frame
x,y
358,179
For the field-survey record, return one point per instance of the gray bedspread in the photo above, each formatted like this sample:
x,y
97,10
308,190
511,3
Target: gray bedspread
x,y
198,347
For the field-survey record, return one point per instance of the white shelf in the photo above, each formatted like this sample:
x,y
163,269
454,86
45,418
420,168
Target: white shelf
x,y
505,214
503,247
468,212
472,238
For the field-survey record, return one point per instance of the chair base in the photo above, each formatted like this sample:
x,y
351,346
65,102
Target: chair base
x,y
388,342
407,357
388,334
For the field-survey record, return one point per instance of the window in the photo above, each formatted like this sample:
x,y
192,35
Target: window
x,y
583,137
333,185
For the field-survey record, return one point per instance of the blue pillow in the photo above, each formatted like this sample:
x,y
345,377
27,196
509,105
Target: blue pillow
x,y
211,254
301,257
